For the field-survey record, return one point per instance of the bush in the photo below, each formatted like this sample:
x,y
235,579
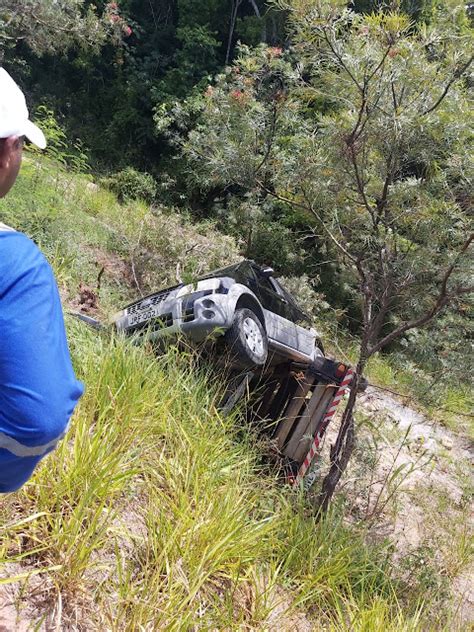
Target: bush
x,y
274,244
310,301
130,184
69,153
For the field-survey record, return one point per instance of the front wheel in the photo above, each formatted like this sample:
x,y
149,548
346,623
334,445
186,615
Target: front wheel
x,y
246,339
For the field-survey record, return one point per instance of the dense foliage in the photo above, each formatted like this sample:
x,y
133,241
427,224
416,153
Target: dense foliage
x,y
130,79
51,27
104,66
129,57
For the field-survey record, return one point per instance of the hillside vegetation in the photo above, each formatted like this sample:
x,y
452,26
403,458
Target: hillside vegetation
x,y
333,141
156,512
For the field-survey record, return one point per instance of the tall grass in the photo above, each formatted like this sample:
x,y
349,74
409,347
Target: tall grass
x,y
155,514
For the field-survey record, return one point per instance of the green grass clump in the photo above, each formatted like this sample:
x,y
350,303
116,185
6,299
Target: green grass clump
x,y
155,513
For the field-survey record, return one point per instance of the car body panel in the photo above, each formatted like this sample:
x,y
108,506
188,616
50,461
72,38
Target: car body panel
x,y
208,306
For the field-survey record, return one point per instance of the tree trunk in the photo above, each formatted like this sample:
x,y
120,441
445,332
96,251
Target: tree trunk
x,y
248,246
341,451
233,19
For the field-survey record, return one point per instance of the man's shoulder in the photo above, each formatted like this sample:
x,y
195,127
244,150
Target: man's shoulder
x,y
18,254
15,244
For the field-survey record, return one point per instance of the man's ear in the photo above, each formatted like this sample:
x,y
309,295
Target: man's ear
x,y
7,147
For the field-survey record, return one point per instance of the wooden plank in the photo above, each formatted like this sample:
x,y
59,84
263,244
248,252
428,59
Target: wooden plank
x,y
270,390
304,420
314,424
321,429
285,392
236,390
292,411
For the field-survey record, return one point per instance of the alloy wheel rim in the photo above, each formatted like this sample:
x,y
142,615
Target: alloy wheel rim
x,y
253,336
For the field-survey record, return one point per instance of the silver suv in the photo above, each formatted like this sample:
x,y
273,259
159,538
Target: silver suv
x,y
257,319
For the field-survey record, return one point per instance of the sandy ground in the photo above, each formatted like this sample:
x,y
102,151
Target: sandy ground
x,y
10,620
419,492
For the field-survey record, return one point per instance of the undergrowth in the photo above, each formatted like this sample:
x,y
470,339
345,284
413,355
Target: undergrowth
x,y
450,403
156,512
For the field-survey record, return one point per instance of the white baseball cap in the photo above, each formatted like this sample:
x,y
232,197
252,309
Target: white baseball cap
x,y
14,117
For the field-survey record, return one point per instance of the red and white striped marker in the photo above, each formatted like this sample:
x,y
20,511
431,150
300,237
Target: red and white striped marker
x,y
322,429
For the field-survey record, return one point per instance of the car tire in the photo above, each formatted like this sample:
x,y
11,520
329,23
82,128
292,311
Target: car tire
x,y
246,339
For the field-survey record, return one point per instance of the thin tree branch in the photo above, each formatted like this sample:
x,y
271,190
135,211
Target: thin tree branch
x,y
443,298
233,19
311,210
255,8
341,61
456,75
271,138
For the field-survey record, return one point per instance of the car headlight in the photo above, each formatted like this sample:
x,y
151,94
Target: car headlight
x,y
193,296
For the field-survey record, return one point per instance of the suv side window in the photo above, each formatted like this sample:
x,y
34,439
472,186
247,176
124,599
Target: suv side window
x,y
294,312
266,284
268,295
246,275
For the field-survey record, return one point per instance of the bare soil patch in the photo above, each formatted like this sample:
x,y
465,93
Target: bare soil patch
x,y
417,490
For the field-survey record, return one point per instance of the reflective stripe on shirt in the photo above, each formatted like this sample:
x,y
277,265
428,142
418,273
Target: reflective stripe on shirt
x,y
18,449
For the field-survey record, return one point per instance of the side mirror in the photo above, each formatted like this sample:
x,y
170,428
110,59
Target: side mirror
x,y
268,272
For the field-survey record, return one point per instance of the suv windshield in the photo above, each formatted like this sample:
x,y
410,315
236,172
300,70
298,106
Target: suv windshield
x,y
241,272
291,300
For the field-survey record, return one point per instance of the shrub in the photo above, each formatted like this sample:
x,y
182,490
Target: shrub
x,y
310,301
69,153
131,184
275,244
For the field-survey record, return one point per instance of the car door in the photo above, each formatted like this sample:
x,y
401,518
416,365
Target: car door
x,y
279,327
305,336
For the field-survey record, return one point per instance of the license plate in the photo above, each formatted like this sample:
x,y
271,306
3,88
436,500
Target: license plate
x,y
141,317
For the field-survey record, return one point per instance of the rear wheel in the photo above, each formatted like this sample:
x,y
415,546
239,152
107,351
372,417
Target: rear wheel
x,y
246,339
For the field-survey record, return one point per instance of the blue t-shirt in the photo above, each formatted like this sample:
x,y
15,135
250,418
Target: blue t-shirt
x,y
38,389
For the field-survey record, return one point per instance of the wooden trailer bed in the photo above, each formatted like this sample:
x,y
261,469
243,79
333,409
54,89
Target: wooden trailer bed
x,y
295,403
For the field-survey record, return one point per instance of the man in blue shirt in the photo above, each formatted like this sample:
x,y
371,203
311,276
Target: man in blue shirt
x,y
38,389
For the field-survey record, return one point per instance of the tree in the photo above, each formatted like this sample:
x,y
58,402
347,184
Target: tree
x,y
418,9
371,138
52,26
121,60
234,11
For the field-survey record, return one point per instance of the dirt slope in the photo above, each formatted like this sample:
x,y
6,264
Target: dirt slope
x,y
418,492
